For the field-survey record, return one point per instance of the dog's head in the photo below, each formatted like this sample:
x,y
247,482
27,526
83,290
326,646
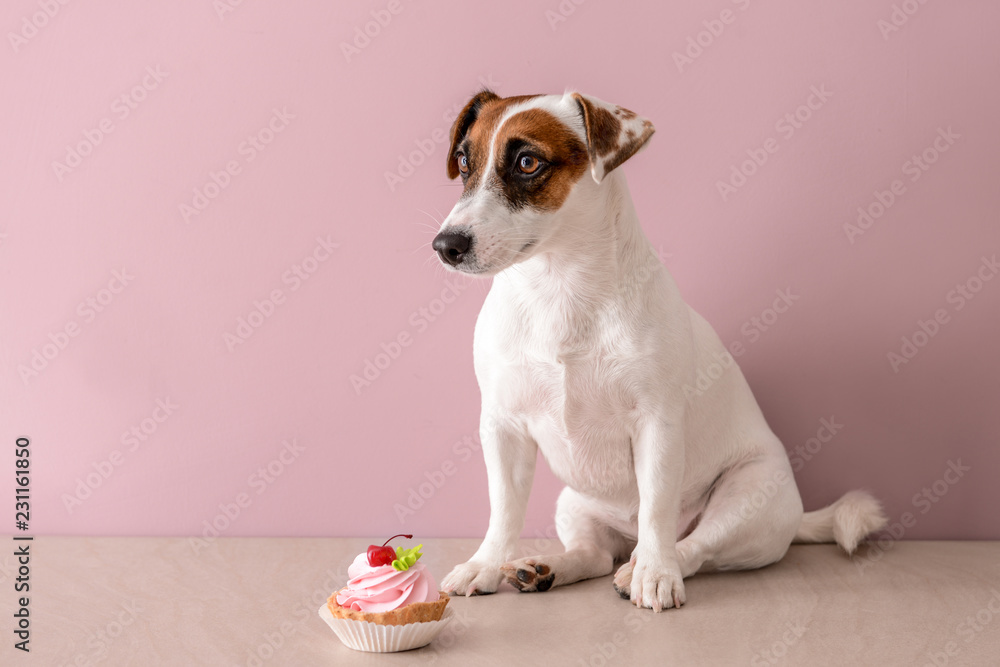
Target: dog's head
x,y
521,160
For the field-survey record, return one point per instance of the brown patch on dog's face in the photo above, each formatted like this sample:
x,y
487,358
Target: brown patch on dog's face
x,y
537,160
466,117
471,133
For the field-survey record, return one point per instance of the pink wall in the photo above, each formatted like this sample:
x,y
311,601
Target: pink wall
x,y
280,144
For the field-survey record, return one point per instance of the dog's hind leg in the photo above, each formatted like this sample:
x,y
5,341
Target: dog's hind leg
x,y
749,521
590,549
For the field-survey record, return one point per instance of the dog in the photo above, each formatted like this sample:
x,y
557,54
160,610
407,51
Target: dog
x,y
585,351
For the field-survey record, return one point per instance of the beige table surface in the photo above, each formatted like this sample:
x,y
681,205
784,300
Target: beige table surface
x,y
248,601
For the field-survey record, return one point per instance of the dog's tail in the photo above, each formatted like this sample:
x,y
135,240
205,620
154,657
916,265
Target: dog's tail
x,y
846,522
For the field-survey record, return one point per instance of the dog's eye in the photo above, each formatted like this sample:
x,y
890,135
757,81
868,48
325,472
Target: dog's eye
x,y
528,164
463,163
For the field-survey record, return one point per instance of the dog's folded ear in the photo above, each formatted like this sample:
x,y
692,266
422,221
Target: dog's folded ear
x,y
614,134
462,124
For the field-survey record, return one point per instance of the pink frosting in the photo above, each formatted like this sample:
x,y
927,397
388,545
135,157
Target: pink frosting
x,y
383,588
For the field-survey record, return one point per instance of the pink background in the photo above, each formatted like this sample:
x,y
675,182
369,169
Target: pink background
x,y
330,126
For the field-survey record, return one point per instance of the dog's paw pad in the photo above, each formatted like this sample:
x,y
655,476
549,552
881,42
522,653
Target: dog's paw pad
x,y
528,576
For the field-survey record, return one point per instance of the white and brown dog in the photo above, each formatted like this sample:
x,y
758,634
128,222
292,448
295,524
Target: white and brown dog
x,y
584,350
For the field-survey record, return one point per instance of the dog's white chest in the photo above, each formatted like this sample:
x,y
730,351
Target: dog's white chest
x,y
580,416
572,377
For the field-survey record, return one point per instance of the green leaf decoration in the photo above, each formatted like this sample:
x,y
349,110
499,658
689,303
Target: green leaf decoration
x,y
405,558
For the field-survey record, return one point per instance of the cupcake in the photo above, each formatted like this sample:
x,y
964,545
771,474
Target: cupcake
x,y
390,603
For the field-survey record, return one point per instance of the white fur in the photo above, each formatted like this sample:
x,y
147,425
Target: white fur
x,y
583,350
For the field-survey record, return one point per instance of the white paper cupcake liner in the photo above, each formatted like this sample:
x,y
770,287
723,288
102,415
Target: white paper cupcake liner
x,y
368,636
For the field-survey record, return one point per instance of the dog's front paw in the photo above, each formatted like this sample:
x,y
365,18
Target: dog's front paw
x,y
654,584
528,575
472,578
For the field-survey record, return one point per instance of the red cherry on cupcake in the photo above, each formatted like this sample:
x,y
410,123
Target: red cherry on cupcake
x,y
383,555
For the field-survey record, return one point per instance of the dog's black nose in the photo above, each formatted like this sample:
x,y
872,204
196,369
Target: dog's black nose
x,y
451,247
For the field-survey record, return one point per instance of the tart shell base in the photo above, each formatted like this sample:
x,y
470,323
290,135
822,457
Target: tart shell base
x,y
417,612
